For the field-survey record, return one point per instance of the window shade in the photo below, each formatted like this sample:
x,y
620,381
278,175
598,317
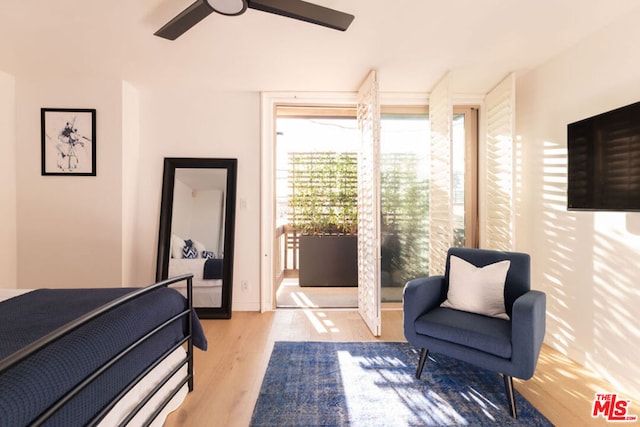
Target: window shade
x,y
497,232
369,204
440,182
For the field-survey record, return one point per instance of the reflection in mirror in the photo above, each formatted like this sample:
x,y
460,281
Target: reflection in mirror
x,y
197,230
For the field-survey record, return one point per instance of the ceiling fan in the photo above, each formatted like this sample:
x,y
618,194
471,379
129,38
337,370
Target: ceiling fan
x,y
296,9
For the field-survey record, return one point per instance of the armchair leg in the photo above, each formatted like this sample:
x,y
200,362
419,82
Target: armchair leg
x,y
508,384
423,358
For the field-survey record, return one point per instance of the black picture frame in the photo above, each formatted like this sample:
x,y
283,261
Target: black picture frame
x,y
68,141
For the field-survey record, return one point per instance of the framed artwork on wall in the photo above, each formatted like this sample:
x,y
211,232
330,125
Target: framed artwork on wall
x,y
68,141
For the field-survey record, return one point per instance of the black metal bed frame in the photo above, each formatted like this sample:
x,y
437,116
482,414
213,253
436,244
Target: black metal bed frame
x,y
73,325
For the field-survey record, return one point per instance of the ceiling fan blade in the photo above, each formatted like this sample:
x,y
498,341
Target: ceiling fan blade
x,y
185,20
303,11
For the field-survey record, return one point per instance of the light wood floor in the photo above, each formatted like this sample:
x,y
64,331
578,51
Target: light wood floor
x,y
228,376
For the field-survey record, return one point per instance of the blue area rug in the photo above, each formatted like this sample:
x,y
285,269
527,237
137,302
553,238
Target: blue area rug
x,y
374,384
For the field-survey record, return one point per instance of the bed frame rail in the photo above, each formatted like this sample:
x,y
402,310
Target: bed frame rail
x,y
75,324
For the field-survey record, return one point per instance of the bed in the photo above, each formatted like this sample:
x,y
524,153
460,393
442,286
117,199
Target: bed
x,y
118,356
207,272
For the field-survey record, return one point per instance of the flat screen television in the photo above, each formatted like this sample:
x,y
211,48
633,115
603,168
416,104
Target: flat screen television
x,y
604,161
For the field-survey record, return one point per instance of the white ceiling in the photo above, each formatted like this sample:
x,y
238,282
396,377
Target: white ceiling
x,y
411,42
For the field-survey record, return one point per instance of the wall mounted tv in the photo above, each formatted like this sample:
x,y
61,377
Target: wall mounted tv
x,y
604,161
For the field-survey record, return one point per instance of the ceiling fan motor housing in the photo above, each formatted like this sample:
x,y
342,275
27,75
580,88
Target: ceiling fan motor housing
x,y
228,7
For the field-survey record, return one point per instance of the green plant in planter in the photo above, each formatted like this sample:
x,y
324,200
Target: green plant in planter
x,y
404,202
323,193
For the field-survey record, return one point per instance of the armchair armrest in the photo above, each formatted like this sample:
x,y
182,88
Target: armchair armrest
x,y
419,296
528,323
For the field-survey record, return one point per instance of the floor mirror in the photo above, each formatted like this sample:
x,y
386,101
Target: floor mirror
x,y
197,229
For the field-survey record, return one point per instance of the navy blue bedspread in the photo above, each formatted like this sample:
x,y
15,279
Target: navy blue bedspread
x,y
30,387
213,269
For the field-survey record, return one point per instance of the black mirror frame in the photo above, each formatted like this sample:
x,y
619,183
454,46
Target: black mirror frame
x,y
166,212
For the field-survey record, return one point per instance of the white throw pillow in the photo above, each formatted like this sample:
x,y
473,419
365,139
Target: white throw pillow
x,y
477,289
177,244
199,247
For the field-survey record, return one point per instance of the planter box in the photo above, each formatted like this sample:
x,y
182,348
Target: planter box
x,y
328,260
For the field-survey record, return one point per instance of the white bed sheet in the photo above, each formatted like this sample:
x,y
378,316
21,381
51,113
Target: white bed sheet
x,y
209,296
195,266
131,399
10,293
206,293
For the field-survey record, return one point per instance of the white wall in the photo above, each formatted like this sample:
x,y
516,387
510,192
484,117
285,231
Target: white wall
x,y
8,234
100,231
182,212
179,123
588,263
130,177
197,215
69,228
208,211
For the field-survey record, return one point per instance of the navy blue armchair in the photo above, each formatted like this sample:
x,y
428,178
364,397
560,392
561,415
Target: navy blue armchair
x,y
509,345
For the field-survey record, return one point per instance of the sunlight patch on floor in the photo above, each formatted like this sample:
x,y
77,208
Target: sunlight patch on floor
x,y
399,404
